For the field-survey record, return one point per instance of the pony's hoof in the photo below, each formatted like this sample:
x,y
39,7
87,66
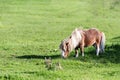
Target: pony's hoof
x,y
83,55
97,55
75,56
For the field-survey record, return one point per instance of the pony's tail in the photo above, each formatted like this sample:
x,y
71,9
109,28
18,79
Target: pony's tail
x,y
102,43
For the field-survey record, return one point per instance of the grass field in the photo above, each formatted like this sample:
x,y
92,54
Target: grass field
x,y
31,30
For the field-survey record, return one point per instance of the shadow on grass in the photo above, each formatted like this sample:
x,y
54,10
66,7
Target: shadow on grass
x,y
118,37
38,56
111,54
115,39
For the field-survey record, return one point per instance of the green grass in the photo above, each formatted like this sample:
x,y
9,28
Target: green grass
x,y
33,29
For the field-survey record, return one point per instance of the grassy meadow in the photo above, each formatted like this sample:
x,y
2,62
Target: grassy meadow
x,y
31,30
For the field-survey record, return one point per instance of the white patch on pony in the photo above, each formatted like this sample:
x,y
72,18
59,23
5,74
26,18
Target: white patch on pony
x,y
76,38
63,53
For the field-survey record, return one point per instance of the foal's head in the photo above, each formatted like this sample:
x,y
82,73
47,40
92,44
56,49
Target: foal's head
x,y
65,47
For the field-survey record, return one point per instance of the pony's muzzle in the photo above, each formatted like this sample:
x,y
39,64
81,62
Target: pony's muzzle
x,y
64,55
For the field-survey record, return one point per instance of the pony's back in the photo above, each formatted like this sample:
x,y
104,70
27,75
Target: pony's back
x,y
90,36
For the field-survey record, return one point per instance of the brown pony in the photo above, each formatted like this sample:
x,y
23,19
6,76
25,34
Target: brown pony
x,y
83,38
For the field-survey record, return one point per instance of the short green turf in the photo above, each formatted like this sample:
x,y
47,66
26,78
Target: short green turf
x,y
31,30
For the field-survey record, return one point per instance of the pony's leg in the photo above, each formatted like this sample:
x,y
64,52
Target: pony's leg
x,y
82,50
95,45
76,52
97,49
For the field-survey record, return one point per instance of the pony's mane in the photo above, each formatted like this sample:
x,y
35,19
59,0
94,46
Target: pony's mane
x,y
91,28
75,38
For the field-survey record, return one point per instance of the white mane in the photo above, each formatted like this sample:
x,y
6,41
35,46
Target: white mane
x,y
75,38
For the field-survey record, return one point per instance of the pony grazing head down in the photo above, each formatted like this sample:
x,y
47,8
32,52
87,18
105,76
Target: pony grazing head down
x,y
83,38
67,45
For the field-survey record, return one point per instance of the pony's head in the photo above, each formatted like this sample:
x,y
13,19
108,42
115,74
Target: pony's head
x,y
65,47
70,43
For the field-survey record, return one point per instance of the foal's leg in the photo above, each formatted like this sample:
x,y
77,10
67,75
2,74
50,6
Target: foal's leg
x,y
76,52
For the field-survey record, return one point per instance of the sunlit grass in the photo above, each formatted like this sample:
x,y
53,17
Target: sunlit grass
x,y
31,30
